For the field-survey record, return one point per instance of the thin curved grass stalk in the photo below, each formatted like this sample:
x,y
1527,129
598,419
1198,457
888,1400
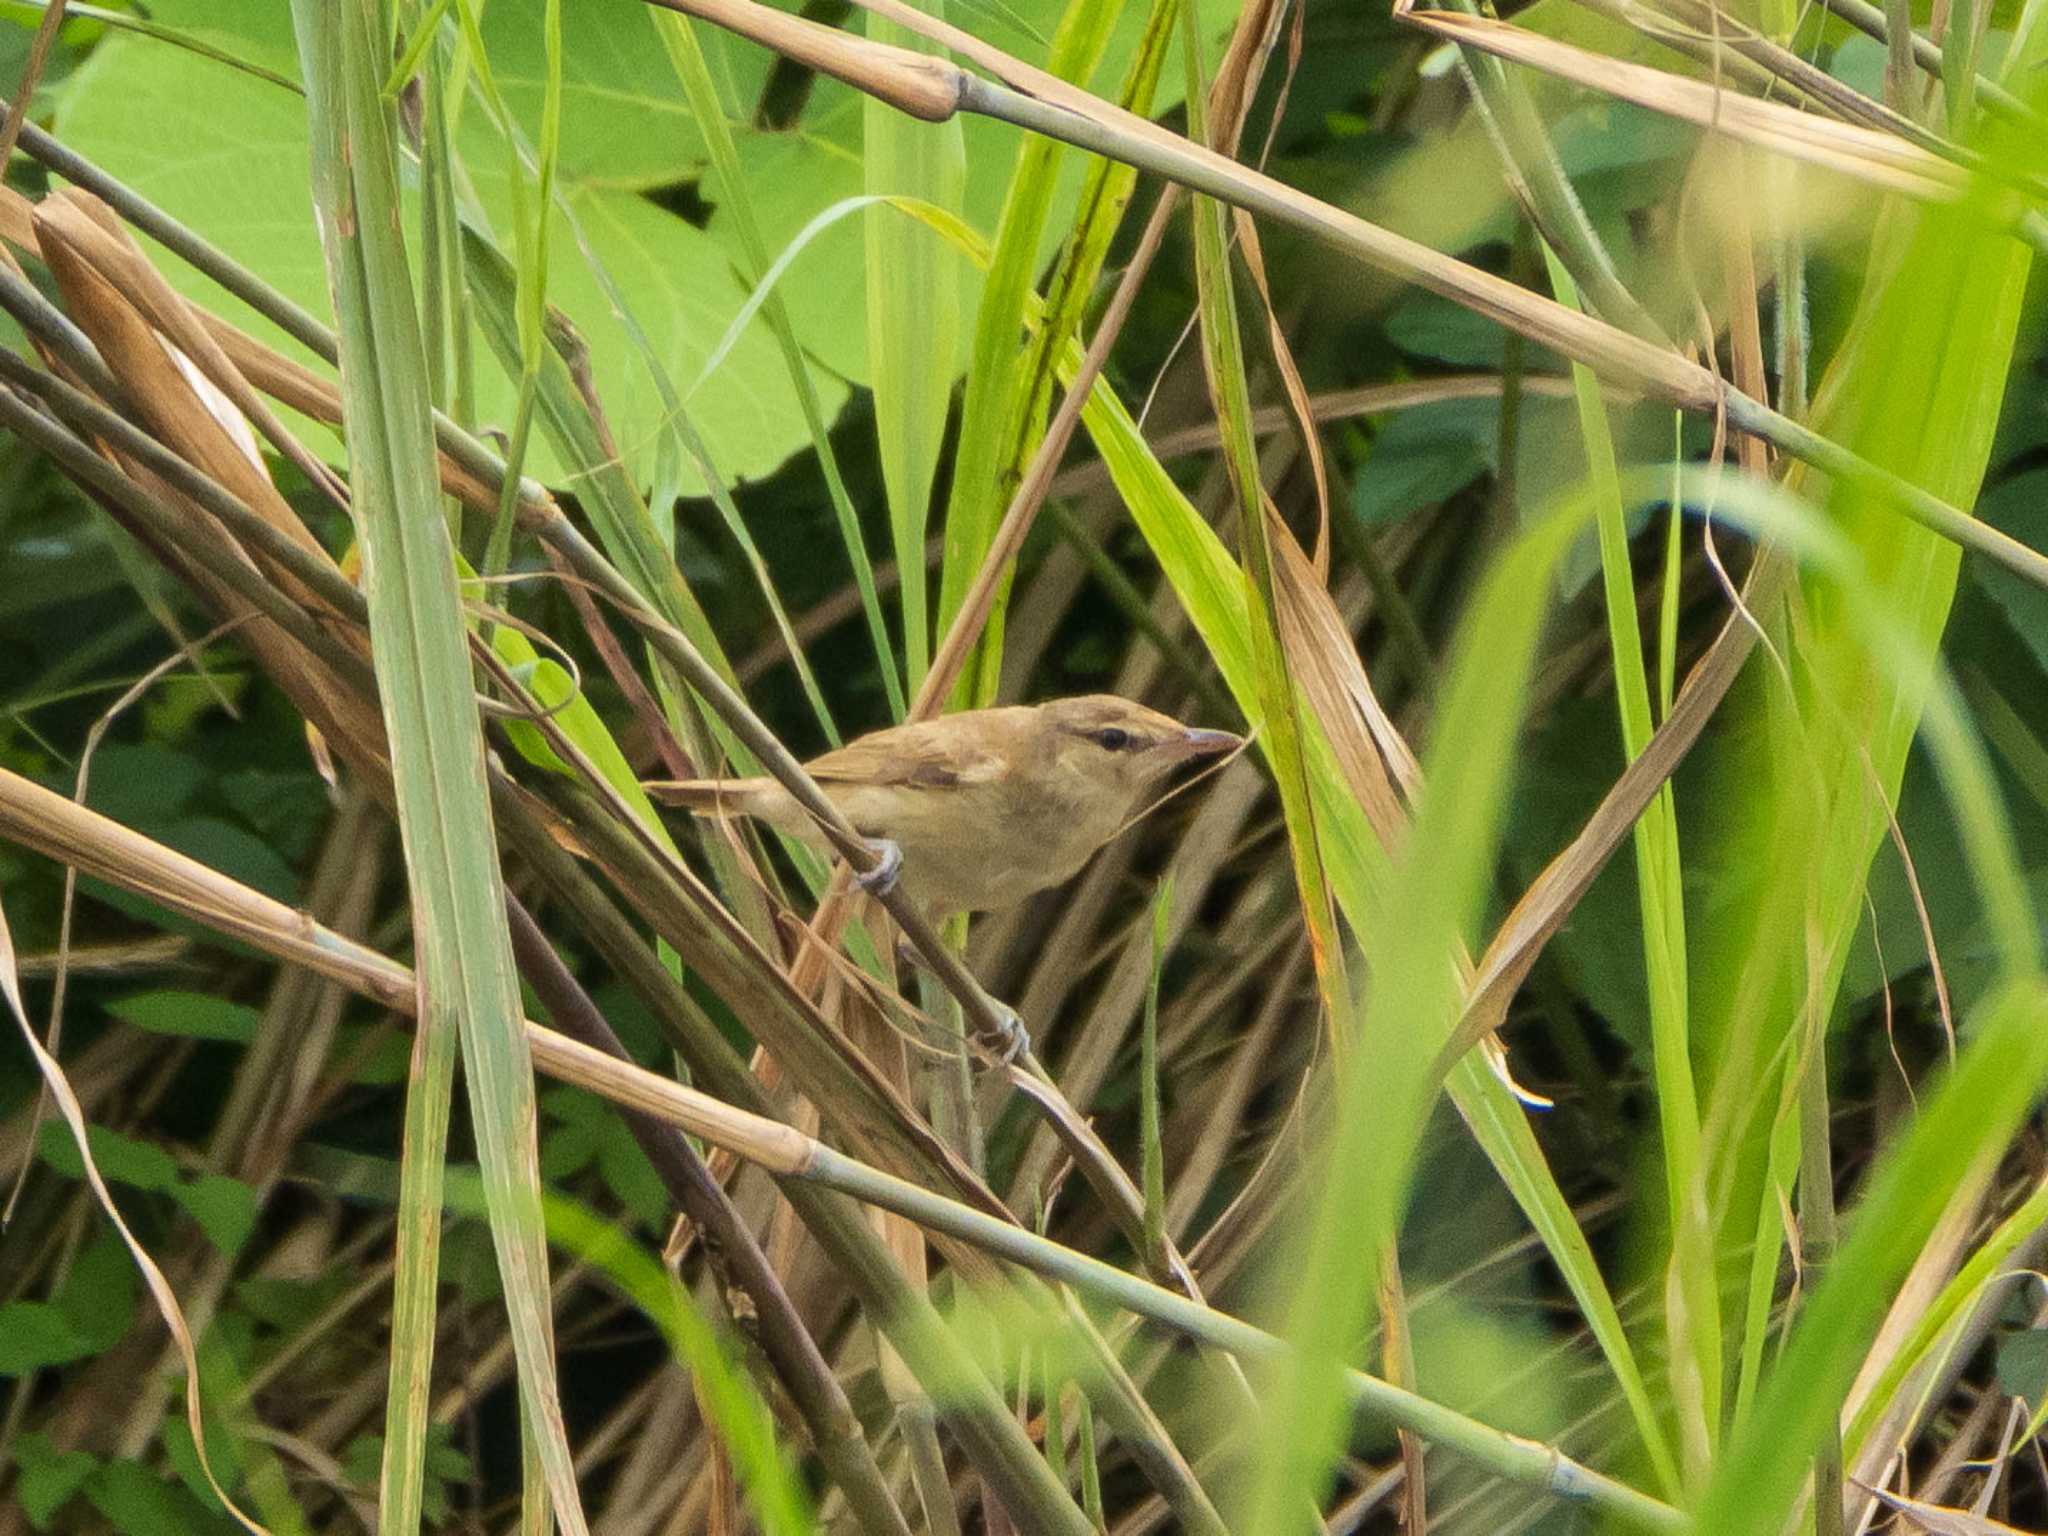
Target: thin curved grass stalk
x,y
128,21
59,1087
1692,1310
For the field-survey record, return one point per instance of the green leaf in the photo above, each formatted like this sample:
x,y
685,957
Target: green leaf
x,y
2023,1364
145,784
225,1209
120,1158
34,1334
1430,327
1426,456
46,1477
191,1015
383,1064
135,1499
131,113
234,851
287,1304
99,1294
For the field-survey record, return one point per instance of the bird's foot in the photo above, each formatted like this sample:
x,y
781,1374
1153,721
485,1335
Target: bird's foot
x,y
881,880
1009,1039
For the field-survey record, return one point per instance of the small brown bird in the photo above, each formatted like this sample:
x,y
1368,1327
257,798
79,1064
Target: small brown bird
x,y
986,806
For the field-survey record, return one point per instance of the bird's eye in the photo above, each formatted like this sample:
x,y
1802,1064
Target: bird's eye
x,y
1112,738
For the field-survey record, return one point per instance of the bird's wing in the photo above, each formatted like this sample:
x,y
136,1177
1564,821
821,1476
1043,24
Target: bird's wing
x,y
926,755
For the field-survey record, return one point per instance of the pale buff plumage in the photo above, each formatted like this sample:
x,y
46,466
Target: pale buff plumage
x,y
988,805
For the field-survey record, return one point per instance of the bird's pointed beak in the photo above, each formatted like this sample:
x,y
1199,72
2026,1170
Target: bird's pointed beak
x,y
1198,743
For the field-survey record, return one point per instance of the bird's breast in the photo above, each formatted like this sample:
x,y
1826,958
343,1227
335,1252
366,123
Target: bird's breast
x,y
978,848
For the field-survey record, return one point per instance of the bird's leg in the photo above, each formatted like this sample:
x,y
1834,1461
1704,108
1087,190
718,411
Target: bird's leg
x,y
881,880
1010,1038
1007,1040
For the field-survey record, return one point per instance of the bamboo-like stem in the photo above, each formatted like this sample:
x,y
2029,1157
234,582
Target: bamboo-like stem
x,y
42,820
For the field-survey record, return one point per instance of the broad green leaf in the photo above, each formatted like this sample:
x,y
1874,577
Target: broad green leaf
x,y
35,1334
194,1015
225,1209
121,1158
46,1477
132,115
134,1498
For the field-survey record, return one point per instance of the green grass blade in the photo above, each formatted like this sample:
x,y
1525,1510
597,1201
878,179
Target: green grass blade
x,y
1761,1476
995,435
913,315
1212,592
1370,1146
1692,1296
465,958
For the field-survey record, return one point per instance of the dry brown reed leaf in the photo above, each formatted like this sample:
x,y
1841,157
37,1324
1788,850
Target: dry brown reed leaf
x,y
91,266
1877,159
292,384
94,234
1552,895
1941,1520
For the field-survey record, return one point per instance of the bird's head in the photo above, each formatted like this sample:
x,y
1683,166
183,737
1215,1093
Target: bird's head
x,y
1113,743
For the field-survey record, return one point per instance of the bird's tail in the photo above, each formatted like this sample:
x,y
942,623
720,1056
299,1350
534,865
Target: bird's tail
x,y
709,797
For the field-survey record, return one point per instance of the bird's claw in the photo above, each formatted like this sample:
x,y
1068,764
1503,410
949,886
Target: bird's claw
x,y
881,880
1009,1039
